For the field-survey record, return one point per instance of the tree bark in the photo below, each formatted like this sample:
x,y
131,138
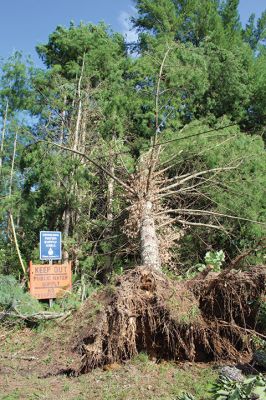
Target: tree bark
x,y
66,218
78,121
109,216
150,255
10,212
3,137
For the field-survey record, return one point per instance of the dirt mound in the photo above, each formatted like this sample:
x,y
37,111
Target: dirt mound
x,y
197,320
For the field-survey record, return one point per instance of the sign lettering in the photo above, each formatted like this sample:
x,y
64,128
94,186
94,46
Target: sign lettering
x,y
50,281
50,245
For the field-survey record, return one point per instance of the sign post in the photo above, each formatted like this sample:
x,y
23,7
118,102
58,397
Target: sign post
x,y
49,281
50,248
51,301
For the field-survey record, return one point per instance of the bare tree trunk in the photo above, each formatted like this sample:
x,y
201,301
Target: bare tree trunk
x,y
109,216
66,218
78,121
10,212
110,195
150,255
76,145
16,242
3,137
149,243
63,121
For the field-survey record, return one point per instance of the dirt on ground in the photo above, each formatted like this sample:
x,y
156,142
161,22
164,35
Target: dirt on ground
x,y
140,378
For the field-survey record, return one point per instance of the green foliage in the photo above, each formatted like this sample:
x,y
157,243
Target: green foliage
x,y
215,258
186,396
69,301
142,358
15,84
190,21
255,33
13,297
226,389
222,193
95,98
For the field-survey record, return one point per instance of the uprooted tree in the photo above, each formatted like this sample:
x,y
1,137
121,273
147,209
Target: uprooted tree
x,y
200,319
162,196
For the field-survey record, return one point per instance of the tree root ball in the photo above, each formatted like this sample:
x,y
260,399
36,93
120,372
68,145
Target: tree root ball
x,y
196,320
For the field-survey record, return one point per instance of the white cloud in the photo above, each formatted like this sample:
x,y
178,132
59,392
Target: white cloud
x,y
130,34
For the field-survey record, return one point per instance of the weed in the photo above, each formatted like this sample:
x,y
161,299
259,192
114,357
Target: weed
x,y
142,358
47,360
190,316
66,387
12,396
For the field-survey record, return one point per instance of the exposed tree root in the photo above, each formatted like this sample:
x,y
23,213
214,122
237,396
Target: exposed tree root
x,y
145,311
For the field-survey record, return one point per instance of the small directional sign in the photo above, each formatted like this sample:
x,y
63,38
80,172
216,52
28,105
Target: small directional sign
x,y
50,245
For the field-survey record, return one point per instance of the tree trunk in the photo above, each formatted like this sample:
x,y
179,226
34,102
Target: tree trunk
x,y
10,212
66,218
63,123
150,255
109,216
3,137
79,115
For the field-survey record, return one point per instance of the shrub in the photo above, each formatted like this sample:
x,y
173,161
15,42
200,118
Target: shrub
x,y
13,297
251,388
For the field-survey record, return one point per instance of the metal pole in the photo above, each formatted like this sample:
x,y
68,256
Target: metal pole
x,y
51,301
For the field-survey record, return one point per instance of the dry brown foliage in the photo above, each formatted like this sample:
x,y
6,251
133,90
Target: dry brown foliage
x,y
168,235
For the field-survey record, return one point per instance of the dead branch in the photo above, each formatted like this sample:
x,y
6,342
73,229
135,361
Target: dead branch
x,y
189,211
196,174
251,331
158,94
245,254
153,156
100,167
184,222
17,357
41,316
168,167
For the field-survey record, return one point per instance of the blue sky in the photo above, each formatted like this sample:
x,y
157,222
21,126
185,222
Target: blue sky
x,y
24,23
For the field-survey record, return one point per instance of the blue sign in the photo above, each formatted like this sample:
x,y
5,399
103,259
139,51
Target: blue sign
x,y
50,245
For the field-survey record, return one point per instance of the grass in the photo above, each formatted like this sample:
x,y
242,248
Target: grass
x,y
138,379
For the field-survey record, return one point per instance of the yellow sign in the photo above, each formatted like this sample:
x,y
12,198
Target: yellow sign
x,y
50,281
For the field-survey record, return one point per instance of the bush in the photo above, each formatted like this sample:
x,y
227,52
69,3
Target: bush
x,y
250,388
13,297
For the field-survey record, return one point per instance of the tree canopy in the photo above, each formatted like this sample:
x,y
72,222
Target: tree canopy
x,y
196,82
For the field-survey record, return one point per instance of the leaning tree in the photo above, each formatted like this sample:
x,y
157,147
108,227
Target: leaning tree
x,y
160,201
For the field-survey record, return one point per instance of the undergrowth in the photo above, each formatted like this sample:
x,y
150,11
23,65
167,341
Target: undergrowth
x,y
13,297
251,388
